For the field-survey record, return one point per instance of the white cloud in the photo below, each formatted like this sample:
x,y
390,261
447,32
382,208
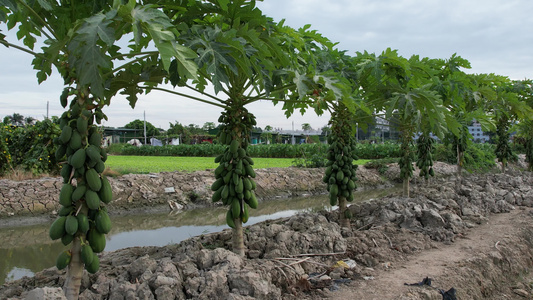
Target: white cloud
x,y
494,35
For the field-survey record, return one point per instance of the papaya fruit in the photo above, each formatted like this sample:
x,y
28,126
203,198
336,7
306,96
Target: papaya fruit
x,y
217,184
106,192
81,124
93,180
93,153
94,265
99,166
102,222
334,190
63,260
245,215
92,199
218,171
65,211
103,153
222,137
235,207
63,99
83,222
332,199
66,133
75,140
65,172
351,184
247,195
218,158
229,219
67,239
65,195
241,152
225,192
340,176
250,171
253,201
60,152
71,225
250,160
247,184
78,158
87,254
239,188
79,192
96,240
234,146
57,229
217,195
227,177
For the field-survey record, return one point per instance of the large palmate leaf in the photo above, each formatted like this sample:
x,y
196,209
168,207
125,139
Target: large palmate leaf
x,y
157,26
87,50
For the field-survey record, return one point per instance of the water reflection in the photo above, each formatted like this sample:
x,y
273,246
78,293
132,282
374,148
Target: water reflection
x,y
25,250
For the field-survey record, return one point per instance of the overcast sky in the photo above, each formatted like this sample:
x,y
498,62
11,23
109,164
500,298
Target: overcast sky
x,y
496,36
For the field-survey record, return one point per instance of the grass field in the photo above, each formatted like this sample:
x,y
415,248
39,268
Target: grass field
x,y
156,164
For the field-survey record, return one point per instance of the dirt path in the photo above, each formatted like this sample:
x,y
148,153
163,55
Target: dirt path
x,y
444,264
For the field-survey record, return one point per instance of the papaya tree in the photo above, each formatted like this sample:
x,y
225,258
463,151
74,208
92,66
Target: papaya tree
x,y
340,173
463,95
403,89
80,42
506,109
243,57
524,128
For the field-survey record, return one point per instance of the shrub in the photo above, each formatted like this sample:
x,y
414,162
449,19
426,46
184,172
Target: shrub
x,y
30,148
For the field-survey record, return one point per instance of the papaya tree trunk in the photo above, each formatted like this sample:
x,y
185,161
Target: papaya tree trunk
x,y
504,163
238,238
459,174
74,272
406,187
344,221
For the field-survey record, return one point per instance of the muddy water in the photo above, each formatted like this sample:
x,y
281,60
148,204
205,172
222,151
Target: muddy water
x,y
28,249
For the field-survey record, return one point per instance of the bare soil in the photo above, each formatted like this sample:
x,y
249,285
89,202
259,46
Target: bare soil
x,y
449,265
476,239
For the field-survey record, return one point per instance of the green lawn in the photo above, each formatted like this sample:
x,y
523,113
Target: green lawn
x,y
155,164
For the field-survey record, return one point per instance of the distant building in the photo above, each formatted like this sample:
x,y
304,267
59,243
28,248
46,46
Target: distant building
x,y
478,135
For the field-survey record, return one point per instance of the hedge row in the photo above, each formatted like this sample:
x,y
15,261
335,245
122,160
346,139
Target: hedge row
x,y
364,151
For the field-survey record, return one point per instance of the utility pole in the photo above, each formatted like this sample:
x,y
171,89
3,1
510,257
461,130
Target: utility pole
x,y
144,127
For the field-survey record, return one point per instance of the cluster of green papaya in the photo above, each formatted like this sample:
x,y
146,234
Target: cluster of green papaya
x,y
340,175
406,160
85,190
424,161
234,184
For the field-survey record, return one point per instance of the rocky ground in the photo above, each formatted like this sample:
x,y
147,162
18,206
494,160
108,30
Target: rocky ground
x,y
477,239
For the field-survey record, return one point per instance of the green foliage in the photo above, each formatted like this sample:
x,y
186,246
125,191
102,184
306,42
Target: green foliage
x,y
382,164
151,130
478,157
312,157
30,148
503,149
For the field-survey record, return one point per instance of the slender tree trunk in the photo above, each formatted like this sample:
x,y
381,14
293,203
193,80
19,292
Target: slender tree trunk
x,y
74,272
504,163
343,206
459,175
406,187
238,238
